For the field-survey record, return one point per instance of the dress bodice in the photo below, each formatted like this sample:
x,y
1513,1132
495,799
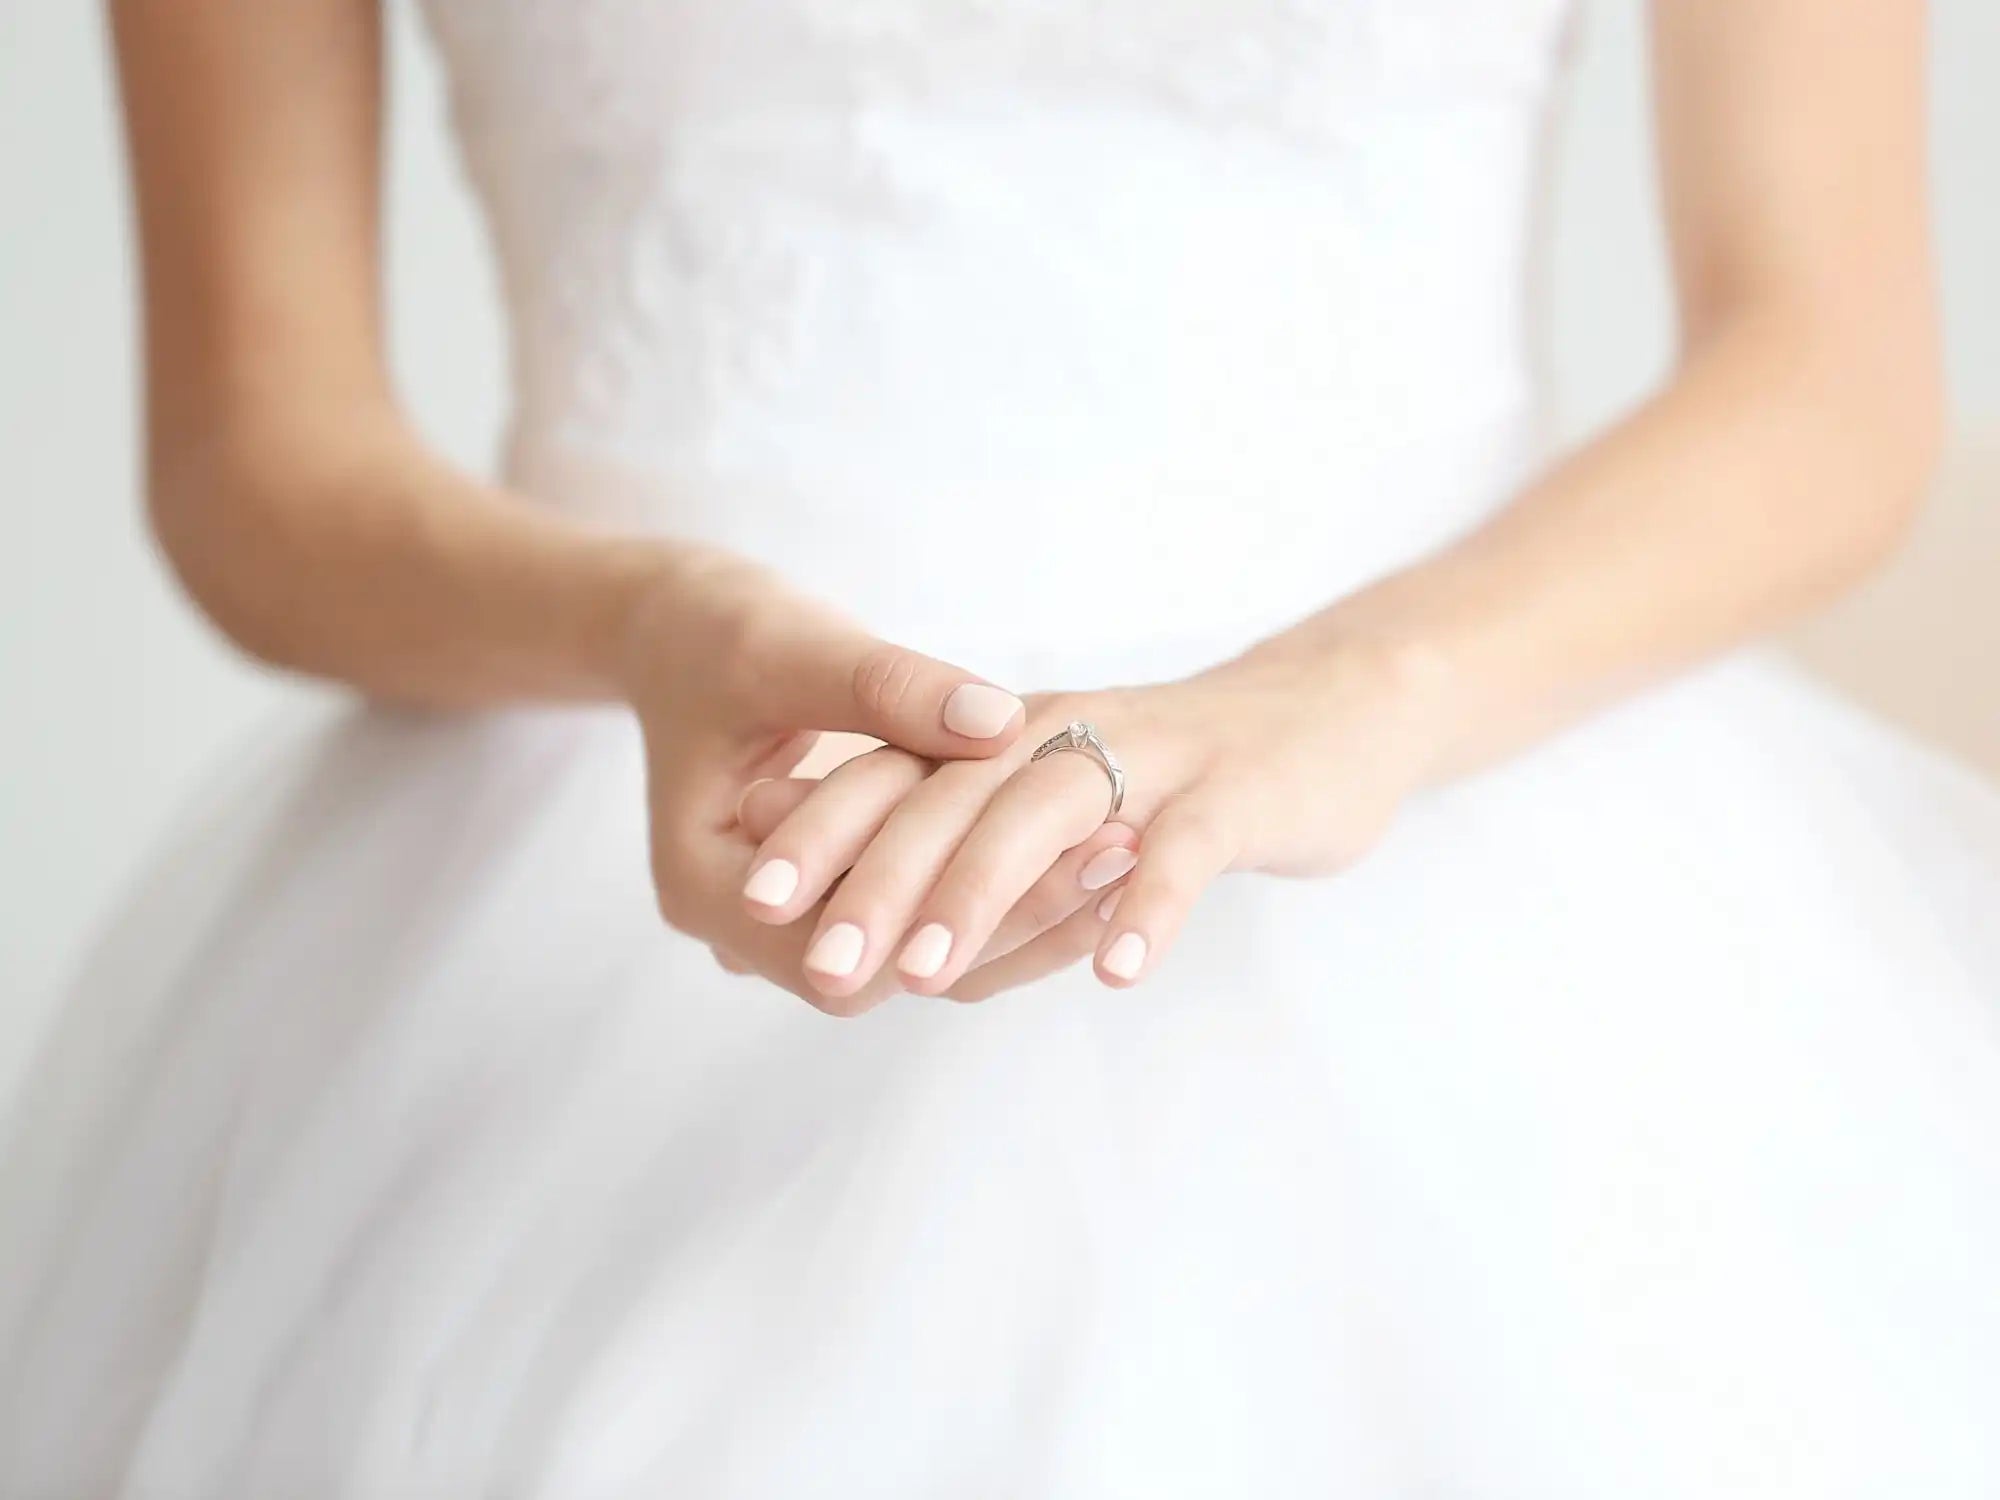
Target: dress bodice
x,y
1058,300
1622,1125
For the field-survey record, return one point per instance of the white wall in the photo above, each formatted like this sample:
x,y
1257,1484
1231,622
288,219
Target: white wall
x,y
114,700
1921,643
1610,309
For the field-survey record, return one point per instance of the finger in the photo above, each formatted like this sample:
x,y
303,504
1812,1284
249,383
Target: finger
x,y
767,803
866,918
1049,807
819,840
1079,878
1187,846
729,962
782,754
833,677
698,886
1063,945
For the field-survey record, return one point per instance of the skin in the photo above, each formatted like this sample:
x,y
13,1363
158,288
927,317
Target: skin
x,y
1779,464
318,532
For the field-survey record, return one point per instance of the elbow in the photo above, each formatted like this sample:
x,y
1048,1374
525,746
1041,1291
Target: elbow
x,y
213,525
1889,442
1870,414
1849,397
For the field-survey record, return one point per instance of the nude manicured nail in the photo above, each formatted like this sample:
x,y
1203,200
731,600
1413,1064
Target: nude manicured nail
x,y
838,952
772,883
1104,867
1126,957
1109,904
979,712
924,954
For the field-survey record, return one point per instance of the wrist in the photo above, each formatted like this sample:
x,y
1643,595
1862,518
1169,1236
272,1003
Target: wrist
x,y
685,604
1345,674
645,585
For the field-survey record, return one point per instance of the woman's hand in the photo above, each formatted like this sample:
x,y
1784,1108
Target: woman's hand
x,y
732,676
1291,759
810,833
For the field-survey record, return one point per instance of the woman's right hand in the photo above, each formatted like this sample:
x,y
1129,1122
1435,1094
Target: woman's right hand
x,y
733,675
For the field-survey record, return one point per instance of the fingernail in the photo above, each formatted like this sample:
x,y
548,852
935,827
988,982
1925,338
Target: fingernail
x,y
772,883
744,800
1126,956
1109,904
838,951
979,712
925,953
1106,866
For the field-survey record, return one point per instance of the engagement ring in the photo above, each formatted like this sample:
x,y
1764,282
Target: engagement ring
x,y
1081,736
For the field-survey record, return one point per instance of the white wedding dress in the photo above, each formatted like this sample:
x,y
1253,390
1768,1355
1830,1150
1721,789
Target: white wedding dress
x,y
1628,1125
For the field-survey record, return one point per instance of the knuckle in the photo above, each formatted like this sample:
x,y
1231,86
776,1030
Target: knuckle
x,y
1200,829
743,642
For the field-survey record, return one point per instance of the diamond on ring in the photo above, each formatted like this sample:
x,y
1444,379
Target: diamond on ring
x,y
1083,737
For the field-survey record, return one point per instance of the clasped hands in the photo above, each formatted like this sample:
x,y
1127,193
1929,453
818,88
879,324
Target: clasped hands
x,y
944,862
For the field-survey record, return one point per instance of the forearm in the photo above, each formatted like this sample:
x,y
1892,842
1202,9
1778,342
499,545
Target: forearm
x,y
297,506
353,553
1767,476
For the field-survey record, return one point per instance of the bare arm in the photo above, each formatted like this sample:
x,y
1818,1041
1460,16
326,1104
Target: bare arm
x,y
1795,440
298,507
316,529
1780,462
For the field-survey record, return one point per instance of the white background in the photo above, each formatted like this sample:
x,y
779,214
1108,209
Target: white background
x,y
115,700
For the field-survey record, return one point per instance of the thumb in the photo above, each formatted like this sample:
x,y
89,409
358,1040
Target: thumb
x,y
835,677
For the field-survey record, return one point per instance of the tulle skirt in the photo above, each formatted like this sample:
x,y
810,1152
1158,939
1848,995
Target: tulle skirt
x,y
1628,1124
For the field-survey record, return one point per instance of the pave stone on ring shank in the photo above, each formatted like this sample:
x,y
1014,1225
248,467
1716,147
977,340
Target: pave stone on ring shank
x,y
1077,735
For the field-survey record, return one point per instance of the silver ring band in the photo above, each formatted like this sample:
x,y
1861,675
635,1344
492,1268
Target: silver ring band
x,y
1077,735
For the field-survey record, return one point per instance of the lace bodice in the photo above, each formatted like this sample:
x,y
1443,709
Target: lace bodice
x,y
1160,281
600,69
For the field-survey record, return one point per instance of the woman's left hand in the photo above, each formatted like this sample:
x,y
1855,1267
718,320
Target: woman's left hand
x,y
1290,759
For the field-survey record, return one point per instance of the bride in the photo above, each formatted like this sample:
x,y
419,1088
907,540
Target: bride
x,y
1612,1109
